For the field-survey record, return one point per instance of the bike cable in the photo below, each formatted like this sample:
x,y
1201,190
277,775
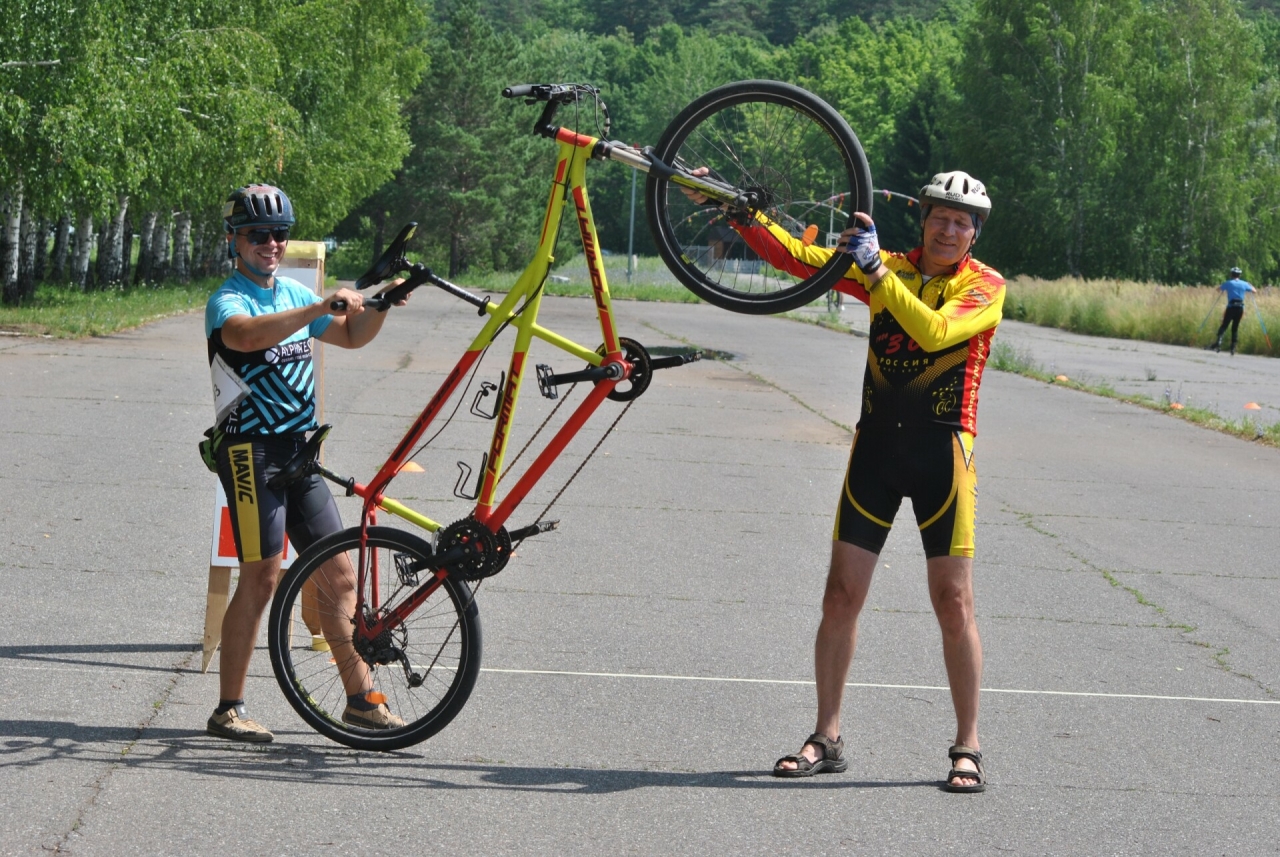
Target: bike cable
x,y
462,398
574,476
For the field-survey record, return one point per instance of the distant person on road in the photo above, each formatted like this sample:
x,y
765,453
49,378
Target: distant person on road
x,y
1235,289
259,329
934,311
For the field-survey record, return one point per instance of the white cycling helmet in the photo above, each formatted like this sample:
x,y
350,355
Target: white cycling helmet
x,y
956,189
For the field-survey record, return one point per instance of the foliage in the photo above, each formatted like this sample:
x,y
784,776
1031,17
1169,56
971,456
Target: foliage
x,y
139,106
1133,139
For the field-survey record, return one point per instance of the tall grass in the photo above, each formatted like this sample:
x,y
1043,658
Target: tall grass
x,y
67,312
1177,315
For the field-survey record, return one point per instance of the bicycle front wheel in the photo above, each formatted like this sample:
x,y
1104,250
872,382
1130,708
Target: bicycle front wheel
x,y
794,155
425,667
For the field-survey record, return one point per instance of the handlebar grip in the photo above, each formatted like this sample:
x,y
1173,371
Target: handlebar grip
x,y
337,304
519,90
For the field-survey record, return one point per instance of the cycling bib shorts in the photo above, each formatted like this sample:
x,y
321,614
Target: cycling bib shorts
x,y
260,516
933,465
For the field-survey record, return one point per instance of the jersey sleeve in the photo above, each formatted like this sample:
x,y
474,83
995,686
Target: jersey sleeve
x,y
221,306
976,307
782,250
321,324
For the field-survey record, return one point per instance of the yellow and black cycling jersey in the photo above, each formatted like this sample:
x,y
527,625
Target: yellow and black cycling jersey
x,y
929,341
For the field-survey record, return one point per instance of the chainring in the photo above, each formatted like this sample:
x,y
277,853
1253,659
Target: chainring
x,y
484,553
641,372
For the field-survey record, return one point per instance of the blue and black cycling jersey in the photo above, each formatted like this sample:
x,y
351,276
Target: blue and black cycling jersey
x,y
281,381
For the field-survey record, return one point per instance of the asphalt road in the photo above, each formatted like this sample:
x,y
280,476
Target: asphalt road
x,y
646,663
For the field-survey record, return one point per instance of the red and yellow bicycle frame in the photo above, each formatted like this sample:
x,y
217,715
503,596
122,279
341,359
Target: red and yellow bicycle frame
x,y
520,310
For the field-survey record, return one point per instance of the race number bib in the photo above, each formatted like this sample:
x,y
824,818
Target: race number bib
x,y
228,389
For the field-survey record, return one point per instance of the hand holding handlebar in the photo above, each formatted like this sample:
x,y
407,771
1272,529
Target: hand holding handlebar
x,y
392,295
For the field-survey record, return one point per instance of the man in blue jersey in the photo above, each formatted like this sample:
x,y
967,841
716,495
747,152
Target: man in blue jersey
x,y
1235,289
259,329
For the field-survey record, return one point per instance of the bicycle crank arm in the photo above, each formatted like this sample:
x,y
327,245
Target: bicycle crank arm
x,y
595,373
674,360
533,530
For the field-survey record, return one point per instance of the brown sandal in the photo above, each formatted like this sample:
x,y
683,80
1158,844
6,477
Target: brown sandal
x,y
832,761
956,753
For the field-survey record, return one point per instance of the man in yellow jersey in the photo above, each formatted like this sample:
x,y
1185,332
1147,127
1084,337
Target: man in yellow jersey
x,y
933,313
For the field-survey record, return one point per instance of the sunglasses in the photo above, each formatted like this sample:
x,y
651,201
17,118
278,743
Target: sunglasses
x,y
257,237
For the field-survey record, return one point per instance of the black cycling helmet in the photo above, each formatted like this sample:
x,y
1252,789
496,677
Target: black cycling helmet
x,y
1235,272
257,205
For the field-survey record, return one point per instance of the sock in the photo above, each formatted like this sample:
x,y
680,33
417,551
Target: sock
x,y
366,700
225,705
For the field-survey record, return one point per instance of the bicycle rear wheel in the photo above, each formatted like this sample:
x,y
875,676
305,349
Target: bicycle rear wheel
x,y
441,638
803,164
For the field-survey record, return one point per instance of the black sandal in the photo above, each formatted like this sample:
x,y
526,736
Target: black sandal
x,y
956,753
832,761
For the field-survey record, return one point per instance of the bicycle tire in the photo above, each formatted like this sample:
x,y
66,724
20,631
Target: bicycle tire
x,y
442,635
790,146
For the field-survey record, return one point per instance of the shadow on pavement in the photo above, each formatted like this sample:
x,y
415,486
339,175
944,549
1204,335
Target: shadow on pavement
x,y
65,655
29,743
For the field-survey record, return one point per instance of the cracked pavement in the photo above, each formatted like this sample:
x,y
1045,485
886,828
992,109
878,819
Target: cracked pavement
x,y
648,661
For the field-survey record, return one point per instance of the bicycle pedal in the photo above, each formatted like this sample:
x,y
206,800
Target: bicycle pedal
x,y
547,381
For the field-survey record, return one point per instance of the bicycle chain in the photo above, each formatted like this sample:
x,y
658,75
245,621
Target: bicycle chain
x,y
569,481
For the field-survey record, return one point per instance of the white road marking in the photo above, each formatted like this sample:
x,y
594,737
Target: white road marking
x,y
885,686
725,679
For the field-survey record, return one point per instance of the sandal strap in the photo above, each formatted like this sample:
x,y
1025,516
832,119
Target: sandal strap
x,y
801,763
960,751
832,750
961,773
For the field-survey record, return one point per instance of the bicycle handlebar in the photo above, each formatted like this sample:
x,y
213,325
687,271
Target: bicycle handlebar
x,y
548,91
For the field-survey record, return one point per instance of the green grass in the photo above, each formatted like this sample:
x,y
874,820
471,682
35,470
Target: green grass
x,y
64,312
1176,315
1006,358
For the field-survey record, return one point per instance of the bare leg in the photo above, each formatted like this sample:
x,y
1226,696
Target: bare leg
x,y
335,588
240,624
848,581
951,590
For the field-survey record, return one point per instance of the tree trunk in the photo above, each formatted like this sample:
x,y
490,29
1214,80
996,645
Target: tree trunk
x,y
160,248
218,263
61,242
9,260
145,234
126,249
182,247
84,244
27,234
40,267
109,271
98,269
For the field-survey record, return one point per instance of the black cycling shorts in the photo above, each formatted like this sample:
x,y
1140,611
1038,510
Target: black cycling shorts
x,y
933,465
260,516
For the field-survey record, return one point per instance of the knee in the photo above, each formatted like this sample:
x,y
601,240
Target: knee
x,y
839,603
954,609
258,586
